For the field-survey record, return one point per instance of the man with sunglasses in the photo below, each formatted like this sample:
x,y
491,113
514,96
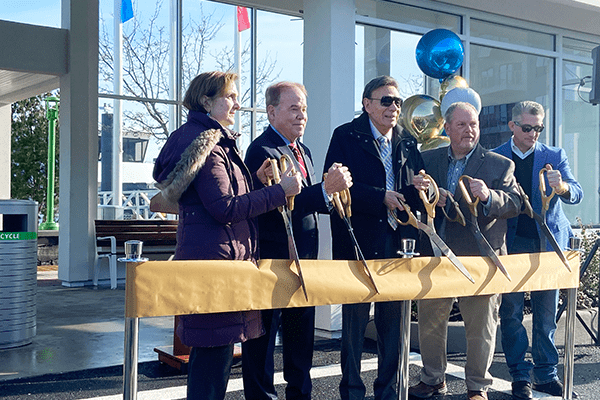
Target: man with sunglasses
x,y
383,160
523,236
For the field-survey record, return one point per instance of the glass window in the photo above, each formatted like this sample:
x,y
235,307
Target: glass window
x,y
406,14
146,50
579,138
381,51
280,57
502,78
578,47
511,34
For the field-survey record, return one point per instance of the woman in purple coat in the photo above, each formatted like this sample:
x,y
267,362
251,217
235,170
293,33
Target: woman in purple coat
x,y
200,168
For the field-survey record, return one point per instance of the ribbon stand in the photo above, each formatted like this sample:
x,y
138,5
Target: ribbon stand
x,y
408,251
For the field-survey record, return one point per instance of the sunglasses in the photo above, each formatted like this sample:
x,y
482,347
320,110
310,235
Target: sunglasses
x,y
528,128
387,101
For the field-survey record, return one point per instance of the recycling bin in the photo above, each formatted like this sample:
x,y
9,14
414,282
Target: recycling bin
x,y
18,272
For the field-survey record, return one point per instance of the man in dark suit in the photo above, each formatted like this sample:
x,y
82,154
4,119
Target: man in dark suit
x,y
286,109
383,160
523,236
495,185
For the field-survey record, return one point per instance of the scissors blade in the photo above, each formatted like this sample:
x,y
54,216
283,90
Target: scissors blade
x,y
293,251
359,253
485,248
555,246
443,247
437,251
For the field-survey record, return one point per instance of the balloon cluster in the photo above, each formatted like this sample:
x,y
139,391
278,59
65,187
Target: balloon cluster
x,y
439,55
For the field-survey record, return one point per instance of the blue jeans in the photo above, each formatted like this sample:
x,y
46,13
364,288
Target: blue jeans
x,y
515,343
208,372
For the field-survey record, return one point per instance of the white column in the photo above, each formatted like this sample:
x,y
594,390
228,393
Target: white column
x,y
5,155
78,144
328,38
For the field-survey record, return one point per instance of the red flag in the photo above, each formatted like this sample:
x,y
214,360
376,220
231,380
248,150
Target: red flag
x,y
243,20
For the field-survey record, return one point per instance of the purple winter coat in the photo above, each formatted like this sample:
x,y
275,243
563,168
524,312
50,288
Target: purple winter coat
x,y
200,167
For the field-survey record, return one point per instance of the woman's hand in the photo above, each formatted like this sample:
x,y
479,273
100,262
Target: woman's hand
x,y
291,182
265,172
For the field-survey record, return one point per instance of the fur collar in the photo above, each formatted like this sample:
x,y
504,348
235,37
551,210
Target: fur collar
x,y
186,169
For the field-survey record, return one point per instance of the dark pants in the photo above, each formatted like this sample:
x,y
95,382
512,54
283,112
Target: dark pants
x,y
354,323
208,372
297,335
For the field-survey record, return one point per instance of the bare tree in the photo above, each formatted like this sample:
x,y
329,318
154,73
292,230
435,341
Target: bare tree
x,y
146,50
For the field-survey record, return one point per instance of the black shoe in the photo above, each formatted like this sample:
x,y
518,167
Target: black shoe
x,y
521,390
425,391
555,388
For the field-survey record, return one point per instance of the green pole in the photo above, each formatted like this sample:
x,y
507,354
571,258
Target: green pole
x,y
52,115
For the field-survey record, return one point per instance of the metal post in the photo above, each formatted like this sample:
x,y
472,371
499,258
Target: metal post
x,y
52,116
575,244
130,367
408,248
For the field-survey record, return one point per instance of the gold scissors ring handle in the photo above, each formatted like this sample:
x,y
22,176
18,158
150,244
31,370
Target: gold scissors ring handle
x,y
283,162
430,205
412,220
460,218
545,197
467,195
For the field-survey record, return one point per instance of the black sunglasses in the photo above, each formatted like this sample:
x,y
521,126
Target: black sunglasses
x,y
528,128
387,101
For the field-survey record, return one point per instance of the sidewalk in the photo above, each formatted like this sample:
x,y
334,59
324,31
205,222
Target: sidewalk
x,y
77,353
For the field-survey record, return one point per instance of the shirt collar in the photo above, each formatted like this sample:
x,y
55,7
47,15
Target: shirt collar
x,y
518,151
285,140
376,132
465,159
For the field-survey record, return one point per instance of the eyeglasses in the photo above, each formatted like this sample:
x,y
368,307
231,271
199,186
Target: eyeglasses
x,y
387,101
528,128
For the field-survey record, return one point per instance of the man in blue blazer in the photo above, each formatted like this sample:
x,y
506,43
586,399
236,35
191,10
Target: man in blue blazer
x,y
286,110
523,236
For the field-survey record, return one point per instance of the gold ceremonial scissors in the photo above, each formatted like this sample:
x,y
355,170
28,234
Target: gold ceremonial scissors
x,y
485,249
436,241
342,203
460,217
286,213
545,197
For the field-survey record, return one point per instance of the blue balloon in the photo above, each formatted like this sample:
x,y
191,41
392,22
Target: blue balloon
x,y
440,53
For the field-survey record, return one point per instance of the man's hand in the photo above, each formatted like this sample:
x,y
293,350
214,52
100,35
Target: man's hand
x,y
338,178
443,196
479,189
555,180
420,182
265,172
391,200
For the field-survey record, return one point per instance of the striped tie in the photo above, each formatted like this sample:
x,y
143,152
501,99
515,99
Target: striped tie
x,y
385,150
299,158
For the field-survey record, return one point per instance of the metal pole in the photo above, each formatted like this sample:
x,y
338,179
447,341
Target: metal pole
x,y
569,343
52,116
130,367
408,251
574,244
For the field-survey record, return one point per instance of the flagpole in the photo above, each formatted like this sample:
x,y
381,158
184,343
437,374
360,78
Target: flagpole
x,y
238,63
117,148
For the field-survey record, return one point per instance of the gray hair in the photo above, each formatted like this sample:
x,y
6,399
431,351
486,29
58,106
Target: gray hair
x,y
527,107
461,105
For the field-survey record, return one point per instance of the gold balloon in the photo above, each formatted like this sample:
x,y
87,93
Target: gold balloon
x,y
452,82
434,143
421,117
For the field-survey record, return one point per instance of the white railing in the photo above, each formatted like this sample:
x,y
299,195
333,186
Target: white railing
x,y
135,204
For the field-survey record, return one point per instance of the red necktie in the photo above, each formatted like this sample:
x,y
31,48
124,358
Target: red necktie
x,y
299,158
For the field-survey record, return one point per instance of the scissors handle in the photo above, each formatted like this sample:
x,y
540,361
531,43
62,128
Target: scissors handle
x,y
411,220
346,201
283,162
545,198
467,195
460,217
430,205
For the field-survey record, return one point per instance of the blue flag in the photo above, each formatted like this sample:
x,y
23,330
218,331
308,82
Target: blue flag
x,y
126,10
